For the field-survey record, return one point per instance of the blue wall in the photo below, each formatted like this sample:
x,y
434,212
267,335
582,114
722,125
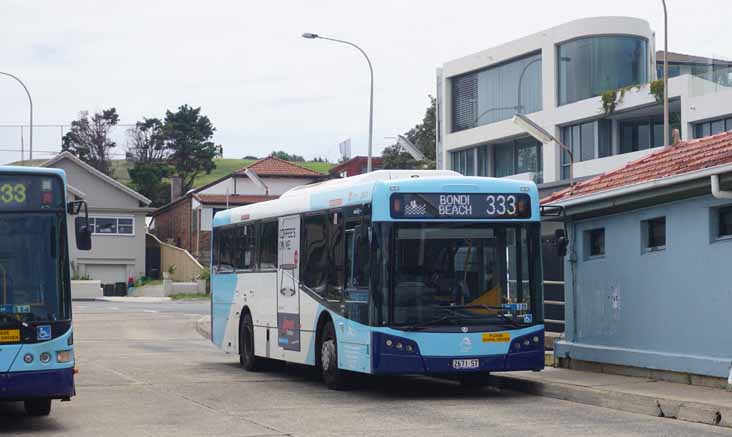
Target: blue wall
x,y
669,309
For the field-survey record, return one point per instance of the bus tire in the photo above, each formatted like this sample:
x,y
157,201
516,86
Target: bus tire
x,y
334,378
38,407
247,359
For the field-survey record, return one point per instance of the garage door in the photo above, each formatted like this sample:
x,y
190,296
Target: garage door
x,y
107,273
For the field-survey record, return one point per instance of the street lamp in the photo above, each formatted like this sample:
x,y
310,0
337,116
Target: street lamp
x,y
30,101
665,74
545,137
371,100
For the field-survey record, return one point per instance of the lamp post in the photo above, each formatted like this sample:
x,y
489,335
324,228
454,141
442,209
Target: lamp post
x,y
371,99
545,137
665,74
30,101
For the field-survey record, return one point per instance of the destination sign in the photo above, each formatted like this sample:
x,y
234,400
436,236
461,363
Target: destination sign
x,y
22,192
460,206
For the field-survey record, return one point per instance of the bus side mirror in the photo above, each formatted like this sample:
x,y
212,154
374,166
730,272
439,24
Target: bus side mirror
x,y
83,235
81,226
561,238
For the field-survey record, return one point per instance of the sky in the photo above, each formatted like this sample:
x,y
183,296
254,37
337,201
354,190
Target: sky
x,y
263,86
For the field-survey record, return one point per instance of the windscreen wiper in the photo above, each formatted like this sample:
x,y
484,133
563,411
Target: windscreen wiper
x,y
487,307
433,322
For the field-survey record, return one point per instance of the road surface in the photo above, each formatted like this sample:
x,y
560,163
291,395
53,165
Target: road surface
x,y
145,371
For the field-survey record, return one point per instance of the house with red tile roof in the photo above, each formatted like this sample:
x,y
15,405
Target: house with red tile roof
x,y
186,220
650,261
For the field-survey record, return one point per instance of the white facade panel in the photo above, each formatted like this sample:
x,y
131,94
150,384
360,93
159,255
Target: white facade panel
x,y
694,98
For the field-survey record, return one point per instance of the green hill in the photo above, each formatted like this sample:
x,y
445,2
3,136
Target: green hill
x,y
223,167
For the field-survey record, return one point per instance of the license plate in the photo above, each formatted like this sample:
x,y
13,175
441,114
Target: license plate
x,y
9,335
465,364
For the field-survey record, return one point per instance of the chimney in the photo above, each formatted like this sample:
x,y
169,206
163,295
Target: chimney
x,y
176,184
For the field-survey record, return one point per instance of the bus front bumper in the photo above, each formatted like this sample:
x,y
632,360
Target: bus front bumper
x,y
389,361
54,384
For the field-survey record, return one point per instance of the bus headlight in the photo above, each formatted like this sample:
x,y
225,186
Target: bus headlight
x,y
389,342
28,358
64,356
45,357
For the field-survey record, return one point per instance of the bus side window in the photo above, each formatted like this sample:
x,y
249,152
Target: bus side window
x,y
268,245
244,247
337,260
361,251
314,262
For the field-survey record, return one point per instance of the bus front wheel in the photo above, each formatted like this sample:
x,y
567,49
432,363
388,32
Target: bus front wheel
x,y
247,359
334,378
38,407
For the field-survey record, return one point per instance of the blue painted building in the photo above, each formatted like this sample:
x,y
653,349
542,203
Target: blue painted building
x,y
649,263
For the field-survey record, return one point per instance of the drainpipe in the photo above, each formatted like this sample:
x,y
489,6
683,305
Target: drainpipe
x,y
573,278
717,191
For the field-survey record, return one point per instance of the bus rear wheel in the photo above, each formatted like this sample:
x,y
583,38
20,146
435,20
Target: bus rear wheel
x,y
247,359
334,378
38,407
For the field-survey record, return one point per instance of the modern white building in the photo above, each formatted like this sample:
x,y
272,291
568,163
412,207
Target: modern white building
x,y
557,78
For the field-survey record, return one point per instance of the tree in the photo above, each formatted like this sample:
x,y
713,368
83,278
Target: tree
x,y
286,156
149,152
89,139
188,136
423,136
250,157
147,141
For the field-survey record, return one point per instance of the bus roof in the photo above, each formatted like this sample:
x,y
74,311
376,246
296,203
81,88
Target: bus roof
x,y
33,170
357,190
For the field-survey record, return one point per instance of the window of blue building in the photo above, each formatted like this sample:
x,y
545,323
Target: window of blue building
x,y
589,66
594,243
712,127
724,222
497,93
654,233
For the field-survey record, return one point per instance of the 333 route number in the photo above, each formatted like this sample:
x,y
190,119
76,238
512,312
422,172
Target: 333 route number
x,y
12,193
500,205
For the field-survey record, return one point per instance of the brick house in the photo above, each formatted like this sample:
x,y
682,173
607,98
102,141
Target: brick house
x,y
355,166
186,221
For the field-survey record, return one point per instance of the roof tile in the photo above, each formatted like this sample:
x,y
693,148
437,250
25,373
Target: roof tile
x,y
271,166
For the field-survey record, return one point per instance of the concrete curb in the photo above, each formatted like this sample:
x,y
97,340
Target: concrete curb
x,y
203,327
129,299
622,401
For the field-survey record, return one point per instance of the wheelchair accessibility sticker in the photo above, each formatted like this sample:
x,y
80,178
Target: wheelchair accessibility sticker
x,y
43,332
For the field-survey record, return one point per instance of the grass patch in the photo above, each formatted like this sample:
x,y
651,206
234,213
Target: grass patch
x,y
224,167
190,296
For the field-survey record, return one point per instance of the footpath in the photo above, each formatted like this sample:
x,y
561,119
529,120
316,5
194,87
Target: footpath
x,y
690,403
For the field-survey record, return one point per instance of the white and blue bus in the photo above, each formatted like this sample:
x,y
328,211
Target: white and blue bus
x,y
391,272
36,338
